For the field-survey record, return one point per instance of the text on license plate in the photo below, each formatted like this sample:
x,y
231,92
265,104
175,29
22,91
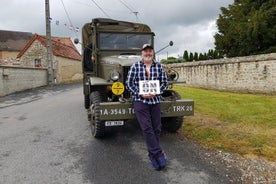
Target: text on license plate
x,y
114,123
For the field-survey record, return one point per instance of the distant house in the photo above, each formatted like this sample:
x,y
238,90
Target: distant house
x,y
11,43
66,58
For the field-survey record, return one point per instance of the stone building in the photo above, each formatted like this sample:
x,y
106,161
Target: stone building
x,y
11,43
66,58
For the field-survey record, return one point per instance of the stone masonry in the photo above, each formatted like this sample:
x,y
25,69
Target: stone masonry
x,y
36,51
251,74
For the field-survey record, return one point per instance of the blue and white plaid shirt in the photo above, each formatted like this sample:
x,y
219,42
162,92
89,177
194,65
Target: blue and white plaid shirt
x,y
137,73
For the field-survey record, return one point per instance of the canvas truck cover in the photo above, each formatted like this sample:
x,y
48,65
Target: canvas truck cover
x,y
110,25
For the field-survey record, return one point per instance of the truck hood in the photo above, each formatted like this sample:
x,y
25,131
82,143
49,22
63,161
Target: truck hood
x,y
123,60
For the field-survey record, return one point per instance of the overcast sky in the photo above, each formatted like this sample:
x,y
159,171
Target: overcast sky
x,y
190,24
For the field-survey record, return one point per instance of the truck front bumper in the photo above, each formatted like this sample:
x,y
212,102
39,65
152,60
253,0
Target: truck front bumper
x,y
124,111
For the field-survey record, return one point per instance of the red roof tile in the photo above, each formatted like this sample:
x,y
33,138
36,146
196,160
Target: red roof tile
x,y
61,46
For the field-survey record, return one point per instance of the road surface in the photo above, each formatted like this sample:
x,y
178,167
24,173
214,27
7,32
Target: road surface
x,y
45,138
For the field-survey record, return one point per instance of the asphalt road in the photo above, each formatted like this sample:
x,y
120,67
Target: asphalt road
x,y
45,138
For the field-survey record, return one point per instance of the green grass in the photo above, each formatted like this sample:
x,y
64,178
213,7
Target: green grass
x,y
239,123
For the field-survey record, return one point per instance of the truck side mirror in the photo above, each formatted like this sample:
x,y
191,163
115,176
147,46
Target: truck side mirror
x,y
170,44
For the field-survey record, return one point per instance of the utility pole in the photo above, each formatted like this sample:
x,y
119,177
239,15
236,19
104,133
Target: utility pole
x,y
49,44
136,15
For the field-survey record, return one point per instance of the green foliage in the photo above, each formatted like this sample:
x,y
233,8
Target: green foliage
x,y
171,60
240,123
186,56
163,61
191,57
247,27
196,56
205,57
201,57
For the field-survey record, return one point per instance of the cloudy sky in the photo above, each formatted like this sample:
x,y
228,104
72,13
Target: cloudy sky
x,y
190,24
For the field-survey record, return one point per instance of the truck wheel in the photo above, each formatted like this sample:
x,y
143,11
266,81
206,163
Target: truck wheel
x,y
171,124
97,126
86,101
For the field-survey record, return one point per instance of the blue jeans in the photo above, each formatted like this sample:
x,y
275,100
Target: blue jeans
x,y
149,118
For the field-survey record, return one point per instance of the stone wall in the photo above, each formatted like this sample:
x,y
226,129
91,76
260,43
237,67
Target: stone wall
x,y
67,70
13,79
252,74
35,51
8,55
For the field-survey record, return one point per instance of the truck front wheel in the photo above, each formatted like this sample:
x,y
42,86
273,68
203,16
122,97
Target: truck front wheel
x,y
86,101
97,126
171,124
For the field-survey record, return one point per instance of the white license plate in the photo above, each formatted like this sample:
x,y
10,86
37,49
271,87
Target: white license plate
x,y
114,123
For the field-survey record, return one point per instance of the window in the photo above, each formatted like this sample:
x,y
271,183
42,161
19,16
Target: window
x,y
124,41
37,63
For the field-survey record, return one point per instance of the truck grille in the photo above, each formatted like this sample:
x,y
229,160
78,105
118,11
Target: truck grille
x,y
125,72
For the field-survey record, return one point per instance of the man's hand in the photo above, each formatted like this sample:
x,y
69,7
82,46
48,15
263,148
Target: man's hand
x,y
148,95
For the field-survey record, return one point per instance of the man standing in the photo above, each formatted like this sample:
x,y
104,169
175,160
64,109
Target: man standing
x,y
147,105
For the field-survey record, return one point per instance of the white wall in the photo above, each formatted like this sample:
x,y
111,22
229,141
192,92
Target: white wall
x,y
13,79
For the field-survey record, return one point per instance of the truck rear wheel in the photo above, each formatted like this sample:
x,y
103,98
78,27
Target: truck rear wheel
x,y
171,124
97,126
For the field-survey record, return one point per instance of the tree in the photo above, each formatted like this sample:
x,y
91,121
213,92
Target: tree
x,y
211,54
205,57
246,27
191,57
196,56
201,57
215,54
186,56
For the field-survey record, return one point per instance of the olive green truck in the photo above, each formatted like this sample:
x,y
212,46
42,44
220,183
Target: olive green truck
x,y
109,48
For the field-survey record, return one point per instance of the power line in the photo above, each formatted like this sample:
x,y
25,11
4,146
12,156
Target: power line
x,y
106,9
126,6
130,9
101,9
67,14
80,2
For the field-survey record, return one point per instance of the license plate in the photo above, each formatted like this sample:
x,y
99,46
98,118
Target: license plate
x,y
114,123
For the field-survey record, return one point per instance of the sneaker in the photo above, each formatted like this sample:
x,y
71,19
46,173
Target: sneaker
x,y
155,164
162,161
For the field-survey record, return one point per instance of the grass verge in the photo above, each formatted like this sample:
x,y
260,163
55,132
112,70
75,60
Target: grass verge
x,y
237,123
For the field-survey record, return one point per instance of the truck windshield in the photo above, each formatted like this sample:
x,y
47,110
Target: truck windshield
x,y
123,41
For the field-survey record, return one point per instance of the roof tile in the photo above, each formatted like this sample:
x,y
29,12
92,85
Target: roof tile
x,y
61,46
13,40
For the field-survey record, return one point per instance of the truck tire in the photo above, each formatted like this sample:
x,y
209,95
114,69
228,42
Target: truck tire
x,y
171,124
86,102
97,126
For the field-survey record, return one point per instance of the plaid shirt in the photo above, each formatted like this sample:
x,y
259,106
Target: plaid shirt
x,y
137,73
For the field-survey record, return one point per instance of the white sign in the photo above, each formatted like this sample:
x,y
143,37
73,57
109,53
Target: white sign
x,y
114,123
149,87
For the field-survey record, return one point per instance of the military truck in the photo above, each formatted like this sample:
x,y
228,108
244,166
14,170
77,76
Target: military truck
x,y
110,47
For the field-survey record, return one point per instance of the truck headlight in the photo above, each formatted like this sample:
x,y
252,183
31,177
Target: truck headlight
x,y
114,75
